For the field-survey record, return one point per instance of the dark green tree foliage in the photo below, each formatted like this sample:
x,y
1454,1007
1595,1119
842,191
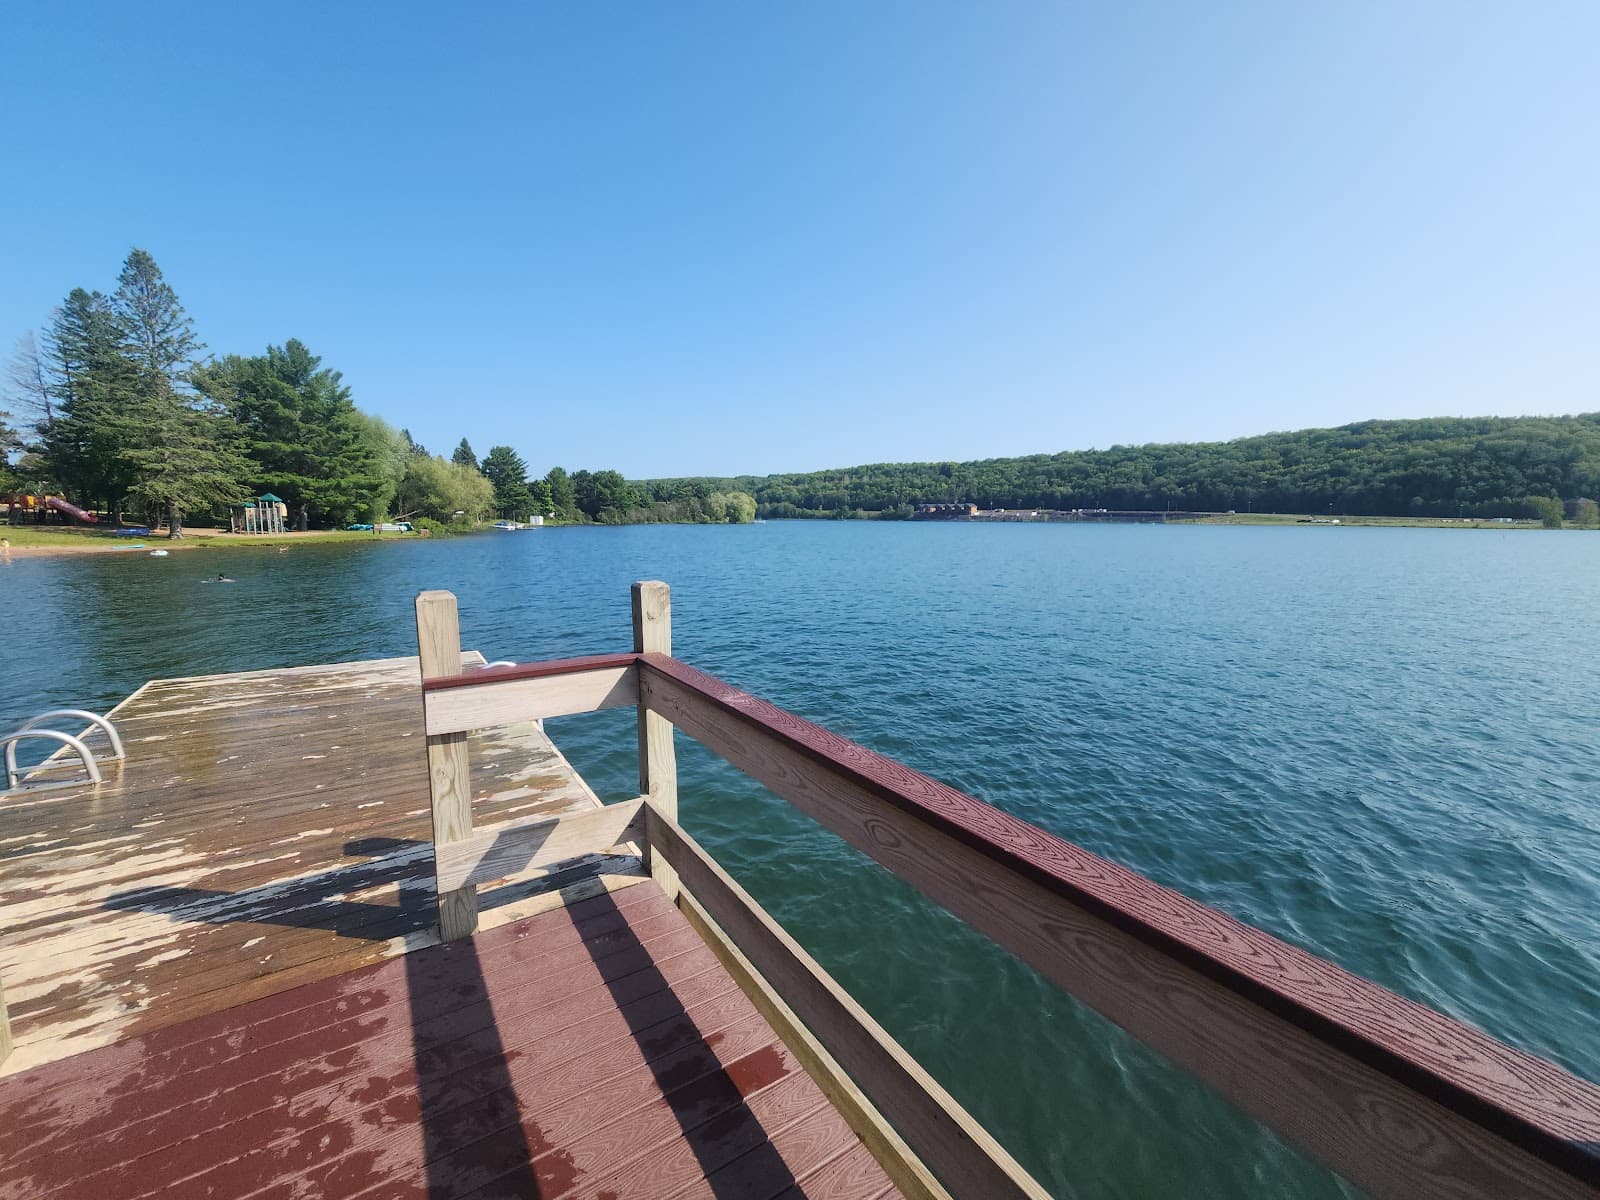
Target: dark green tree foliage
x,y
464,457
300,431
603,496
563,499
182,465
177,445
94,386
503,467
539,489
1440,467
10,443
713,508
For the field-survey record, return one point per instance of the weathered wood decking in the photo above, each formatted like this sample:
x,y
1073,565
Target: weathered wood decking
x,y
225,978
268,829
597,1050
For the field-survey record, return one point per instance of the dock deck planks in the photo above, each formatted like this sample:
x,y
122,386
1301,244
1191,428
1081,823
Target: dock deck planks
x,y
596,1050
268,829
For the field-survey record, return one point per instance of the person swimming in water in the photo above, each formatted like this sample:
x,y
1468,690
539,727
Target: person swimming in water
x,y
220,579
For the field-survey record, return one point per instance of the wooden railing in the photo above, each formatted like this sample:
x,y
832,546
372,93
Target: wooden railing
x,y
1399,1099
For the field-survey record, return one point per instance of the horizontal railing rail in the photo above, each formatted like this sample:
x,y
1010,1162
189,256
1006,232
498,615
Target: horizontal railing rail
x,y
1398,1098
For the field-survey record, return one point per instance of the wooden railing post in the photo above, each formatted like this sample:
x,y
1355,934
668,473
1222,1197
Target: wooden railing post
x,y
658,762
449,775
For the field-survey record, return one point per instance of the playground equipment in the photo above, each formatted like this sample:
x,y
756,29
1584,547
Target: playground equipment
x,y
36,506
30,730
265,514
72,510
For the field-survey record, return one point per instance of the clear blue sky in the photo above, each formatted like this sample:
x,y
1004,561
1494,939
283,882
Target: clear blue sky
x,y
685,238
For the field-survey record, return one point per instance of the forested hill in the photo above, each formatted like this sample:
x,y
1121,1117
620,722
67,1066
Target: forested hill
x,y
1488,466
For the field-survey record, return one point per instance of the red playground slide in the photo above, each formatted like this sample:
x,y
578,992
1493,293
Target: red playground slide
x,y
72,510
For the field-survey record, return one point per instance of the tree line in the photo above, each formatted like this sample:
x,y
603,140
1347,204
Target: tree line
x,y
1438,467
117,406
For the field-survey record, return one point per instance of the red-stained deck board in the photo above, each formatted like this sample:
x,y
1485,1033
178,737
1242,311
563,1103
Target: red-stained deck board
x,y
598,1050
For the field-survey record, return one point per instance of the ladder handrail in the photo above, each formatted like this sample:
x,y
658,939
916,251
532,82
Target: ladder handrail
x,y
82,714
11,739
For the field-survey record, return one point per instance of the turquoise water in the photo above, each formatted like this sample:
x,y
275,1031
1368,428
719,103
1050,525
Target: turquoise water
x,y
1382,745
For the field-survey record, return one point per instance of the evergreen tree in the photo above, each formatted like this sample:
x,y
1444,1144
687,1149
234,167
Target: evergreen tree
x,y
158,333
603,495
504,469
92,383
301,433
584,498
10,440
176,445
464,457
539,489
183,461
562,500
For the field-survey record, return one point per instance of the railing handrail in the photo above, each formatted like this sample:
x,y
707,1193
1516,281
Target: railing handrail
x,y
533,670
1197,970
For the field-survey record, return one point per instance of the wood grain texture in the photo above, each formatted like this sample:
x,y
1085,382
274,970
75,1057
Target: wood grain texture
x,y
268,829
491,854
596,1051
1398,1098
5,1025
658,762
863,1071
486,704
481,675
449,769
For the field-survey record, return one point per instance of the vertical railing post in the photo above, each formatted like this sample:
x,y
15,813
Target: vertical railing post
x,y
658,762
449,775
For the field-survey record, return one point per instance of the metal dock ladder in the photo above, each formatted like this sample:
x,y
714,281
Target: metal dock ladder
x,y
33,729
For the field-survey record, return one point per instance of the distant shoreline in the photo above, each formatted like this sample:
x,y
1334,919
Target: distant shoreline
x,y
47,542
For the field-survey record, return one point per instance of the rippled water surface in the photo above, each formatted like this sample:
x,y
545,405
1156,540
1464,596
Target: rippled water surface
x,y
1383,745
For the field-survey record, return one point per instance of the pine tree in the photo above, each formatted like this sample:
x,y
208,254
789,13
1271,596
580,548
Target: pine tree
x,y
563,501
539,489
159,333
464,457
504,468
91,381
300,431
178,445
183,461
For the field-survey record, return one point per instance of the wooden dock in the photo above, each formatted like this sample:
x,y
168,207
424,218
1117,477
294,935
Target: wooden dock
x,y
267,829
361,931
224,977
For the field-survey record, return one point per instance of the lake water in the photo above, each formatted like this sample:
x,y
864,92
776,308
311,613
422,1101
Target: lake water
x,y
1382,745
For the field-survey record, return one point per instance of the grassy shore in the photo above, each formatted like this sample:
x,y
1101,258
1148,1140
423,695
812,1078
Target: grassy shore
x,y
36,540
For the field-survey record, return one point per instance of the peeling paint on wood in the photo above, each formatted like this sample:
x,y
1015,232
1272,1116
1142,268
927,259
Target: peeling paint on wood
x,y
268,829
